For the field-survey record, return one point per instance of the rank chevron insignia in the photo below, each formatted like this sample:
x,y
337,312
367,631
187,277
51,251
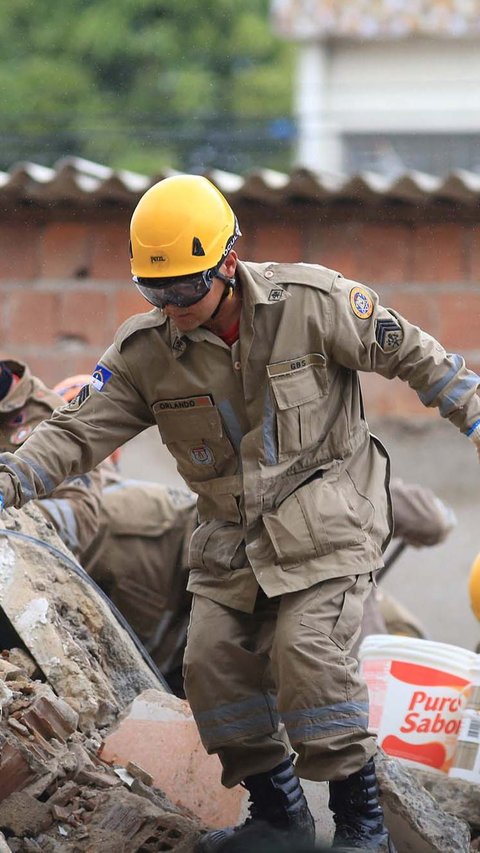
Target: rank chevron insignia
x,y
389,334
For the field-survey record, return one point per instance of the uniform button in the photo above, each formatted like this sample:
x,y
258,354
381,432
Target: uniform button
x,y
268,273
237,365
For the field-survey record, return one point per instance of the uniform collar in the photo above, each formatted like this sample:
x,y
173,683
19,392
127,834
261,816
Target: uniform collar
x,y
258,284
258,287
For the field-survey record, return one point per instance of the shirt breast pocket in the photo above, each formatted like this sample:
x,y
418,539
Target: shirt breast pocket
x,y
196,438
298,389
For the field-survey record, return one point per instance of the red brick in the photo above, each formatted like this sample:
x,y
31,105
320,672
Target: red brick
x,y
459,320
110,259
421,309
86,313
128,301
277,241
439,252
160,735
32,317
474,253
384,253
19,251
66,250
337,246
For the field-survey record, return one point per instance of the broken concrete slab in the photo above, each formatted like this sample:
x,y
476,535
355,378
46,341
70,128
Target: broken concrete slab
x,y
66,625
415,820
455,796
159,735
21,814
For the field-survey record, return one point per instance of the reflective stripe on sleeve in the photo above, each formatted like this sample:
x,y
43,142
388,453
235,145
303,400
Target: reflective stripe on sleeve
x,y
269,442
64,519
427,397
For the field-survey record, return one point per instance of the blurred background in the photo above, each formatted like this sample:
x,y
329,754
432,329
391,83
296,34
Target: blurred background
x,y
343,132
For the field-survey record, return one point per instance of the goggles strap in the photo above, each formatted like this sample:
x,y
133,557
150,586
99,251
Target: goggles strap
x,y
227,290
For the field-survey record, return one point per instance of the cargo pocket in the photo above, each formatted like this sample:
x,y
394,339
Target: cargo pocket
x,y
319,518
299,397
350,615
197,439
218,547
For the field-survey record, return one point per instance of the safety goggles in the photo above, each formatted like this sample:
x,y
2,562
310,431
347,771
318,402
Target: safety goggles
x,y
181,291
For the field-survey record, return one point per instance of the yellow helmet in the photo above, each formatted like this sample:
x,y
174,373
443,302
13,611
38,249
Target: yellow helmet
x,y
181,226
474,586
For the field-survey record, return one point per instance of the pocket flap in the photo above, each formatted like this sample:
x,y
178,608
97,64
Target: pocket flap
x,y
298,381
189,424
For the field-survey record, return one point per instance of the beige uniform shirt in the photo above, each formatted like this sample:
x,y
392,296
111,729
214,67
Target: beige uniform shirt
x,y
269,433
74,506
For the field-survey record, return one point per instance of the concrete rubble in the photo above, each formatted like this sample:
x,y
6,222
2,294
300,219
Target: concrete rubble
x,y
95,754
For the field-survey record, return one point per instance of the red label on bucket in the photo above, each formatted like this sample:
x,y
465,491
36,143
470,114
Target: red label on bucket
x,y
415,710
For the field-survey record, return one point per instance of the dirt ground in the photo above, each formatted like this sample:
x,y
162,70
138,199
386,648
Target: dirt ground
x,y
431,582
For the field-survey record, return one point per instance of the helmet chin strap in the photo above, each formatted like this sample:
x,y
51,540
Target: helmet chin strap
x,y
227,291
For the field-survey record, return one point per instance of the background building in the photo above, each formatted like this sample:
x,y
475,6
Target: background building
x,y
386,85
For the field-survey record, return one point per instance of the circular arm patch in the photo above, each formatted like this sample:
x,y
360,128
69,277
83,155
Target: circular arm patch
x,y
361,302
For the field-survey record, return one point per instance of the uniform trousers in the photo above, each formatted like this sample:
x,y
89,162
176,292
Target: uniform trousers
x,y
282,677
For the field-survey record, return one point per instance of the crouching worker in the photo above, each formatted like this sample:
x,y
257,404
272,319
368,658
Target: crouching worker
x,y
140,555
251,372
73,508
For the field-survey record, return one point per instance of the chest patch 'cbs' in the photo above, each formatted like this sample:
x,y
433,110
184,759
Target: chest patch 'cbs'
x,y
280,368
361,303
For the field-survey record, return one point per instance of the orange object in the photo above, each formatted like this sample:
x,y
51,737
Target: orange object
x,y
68,388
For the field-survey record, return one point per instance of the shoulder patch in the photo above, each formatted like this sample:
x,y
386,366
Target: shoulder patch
x,y
361,303
100,377
389,334
78,401
136,323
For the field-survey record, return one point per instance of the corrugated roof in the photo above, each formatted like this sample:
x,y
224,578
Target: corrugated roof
x,y
376,18
76,181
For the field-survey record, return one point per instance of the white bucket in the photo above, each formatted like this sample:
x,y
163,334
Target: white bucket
x,y
466,760
417,692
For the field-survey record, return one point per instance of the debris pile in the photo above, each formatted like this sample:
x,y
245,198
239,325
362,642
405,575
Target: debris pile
x,y
57,795
88,731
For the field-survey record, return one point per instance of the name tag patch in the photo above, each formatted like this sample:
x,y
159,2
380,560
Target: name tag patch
x,y
279,368
361,303
100,377
184,403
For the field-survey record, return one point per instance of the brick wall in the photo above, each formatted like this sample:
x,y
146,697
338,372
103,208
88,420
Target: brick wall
x,y
64,277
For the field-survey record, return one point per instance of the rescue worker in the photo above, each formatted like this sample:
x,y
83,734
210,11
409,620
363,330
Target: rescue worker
x,y
73,508
250,371
140,555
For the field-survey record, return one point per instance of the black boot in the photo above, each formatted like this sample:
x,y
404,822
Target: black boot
x,y
358,814
276,800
